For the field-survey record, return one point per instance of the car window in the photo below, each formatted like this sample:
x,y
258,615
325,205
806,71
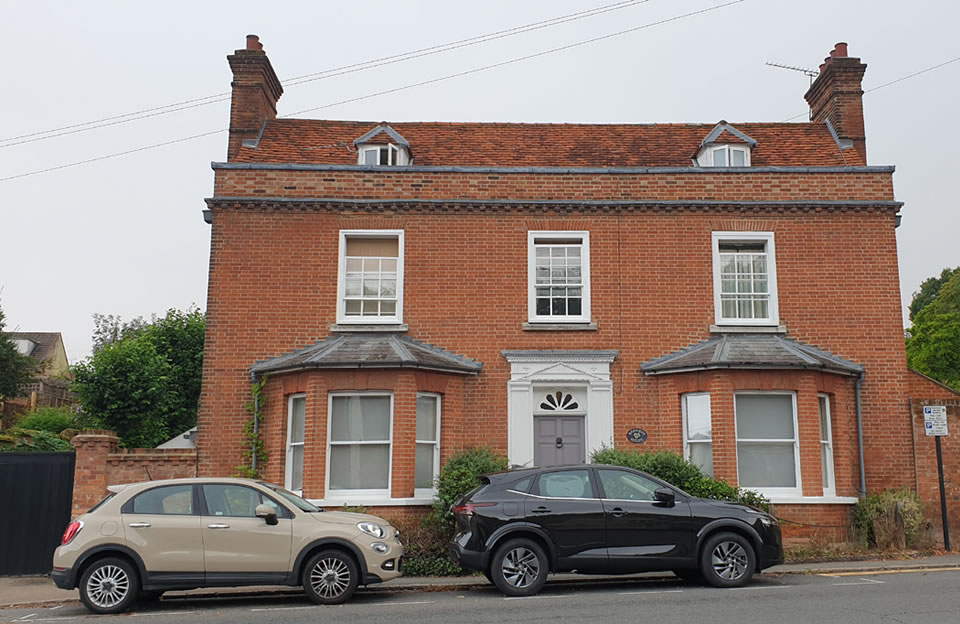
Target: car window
x,y
238,501
566,484
169,499
627,486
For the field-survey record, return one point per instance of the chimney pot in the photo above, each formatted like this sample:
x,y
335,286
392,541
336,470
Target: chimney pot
x,y
840,49
253,43
823,66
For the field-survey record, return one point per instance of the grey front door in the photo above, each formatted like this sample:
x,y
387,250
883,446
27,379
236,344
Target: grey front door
x,y
558,440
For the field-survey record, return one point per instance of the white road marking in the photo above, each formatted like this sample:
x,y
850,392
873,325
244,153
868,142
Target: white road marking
x,y
20,619
538,596
652,591
392,604
162,613
760,587
863,581
56,607
285,608
55,619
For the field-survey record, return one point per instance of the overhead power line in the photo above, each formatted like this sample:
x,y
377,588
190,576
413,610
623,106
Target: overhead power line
x,y
397,89
321,75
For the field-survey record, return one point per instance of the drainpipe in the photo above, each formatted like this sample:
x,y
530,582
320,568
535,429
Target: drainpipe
x,y
863,476
256,425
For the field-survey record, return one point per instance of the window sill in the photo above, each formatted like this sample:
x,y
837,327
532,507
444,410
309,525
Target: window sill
x,y
341,328
748,329
559,327
361,501
813,500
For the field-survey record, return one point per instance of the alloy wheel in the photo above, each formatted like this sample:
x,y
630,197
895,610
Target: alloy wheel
x,y
107,586
729,560
520,567
330,577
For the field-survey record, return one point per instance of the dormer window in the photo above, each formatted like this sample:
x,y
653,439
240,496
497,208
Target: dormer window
x,y
384,155
389,149
727,156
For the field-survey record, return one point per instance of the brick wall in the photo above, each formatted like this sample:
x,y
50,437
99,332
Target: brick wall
x,y
101,462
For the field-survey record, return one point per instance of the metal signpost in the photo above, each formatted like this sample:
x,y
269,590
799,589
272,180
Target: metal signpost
x,y
935,424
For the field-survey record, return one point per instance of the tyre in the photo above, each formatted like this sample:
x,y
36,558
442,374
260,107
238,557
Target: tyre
x,y
727,560
109,585
689,575
330,577
519,567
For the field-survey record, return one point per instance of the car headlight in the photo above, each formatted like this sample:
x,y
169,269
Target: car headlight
x,y
768,521
371,528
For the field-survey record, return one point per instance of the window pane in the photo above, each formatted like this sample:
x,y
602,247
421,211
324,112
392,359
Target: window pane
x,y
766,465
574,306
698,417
371,157
298,408
231,500
371,287
738,158
764,416
566,484
360,419
558,307
388,288
172,499
701,454
370,308
426,418
352,287
352,308
760,307
825,464
359,467
720,158
388,308
354,265
627,486
543,307
824,429
424,469
296,472
388,266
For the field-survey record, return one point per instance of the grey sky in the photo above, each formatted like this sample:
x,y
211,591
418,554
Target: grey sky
x,y
125,236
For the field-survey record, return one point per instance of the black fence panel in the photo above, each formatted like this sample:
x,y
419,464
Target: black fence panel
x,y
36,490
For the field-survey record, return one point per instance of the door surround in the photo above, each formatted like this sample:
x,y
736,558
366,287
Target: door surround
x,y
532,370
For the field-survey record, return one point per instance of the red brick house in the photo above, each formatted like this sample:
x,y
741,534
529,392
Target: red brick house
x,y
411,289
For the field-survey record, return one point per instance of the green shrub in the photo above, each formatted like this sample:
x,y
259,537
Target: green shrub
x,y
892,519
675,470
459,475
18,440
52,419
430,565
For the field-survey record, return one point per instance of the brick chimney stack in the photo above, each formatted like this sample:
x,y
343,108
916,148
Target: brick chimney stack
x,y
256,90
836,95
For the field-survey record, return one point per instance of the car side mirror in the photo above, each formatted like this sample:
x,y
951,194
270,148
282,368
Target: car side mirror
x,y
268,513
663,495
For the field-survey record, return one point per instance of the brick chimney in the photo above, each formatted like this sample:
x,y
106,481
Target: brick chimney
x,y
256,90
836,96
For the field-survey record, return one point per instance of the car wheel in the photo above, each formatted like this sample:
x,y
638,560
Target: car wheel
x,y
727,560
331,577
519,567
109,586
689,574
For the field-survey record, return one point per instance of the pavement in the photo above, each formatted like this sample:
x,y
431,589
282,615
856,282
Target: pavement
x,y
37,591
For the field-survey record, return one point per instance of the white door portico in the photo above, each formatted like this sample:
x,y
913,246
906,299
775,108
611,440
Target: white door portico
x,y
531,371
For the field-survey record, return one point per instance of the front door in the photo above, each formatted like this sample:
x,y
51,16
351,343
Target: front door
x,y
559,429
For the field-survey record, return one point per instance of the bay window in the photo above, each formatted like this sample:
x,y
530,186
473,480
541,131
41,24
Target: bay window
x,y
768,457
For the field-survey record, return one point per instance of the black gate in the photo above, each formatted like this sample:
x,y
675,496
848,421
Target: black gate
x,y
36,490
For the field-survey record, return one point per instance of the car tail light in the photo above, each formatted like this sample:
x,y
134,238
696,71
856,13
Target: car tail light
x,y
467,508
72,529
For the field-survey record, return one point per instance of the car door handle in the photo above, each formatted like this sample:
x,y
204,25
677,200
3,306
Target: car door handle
x,y
617,512
218,526
139,525
541,510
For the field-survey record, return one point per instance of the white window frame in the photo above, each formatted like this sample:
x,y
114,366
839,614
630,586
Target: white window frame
x,y
584,236
772,492
358,494
288,464
728,152
425,492
767,238
342,317
686,442
830,490
398,155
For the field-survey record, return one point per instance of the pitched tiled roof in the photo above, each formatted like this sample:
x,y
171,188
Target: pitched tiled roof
x,y
308,141
46,343
750,351
370,350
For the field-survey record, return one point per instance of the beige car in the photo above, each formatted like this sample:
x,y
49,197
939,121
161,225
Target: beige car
x,y
146,538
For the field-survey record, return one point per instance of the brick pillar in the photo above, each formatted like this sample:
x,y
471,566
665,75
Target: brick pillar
x,y
404,437
90,471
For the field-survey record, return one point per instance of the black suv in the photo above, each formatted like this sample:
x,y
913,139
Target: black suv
x,y
596,519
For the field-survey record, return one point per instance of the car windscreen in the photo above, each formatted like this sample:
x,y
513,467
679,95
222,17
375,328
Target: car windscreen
x,y
292,498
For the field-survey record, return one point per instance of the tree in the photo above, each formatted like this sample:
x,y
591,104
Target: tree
x,y
933,347
110,328
143,383
928,290
16,368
